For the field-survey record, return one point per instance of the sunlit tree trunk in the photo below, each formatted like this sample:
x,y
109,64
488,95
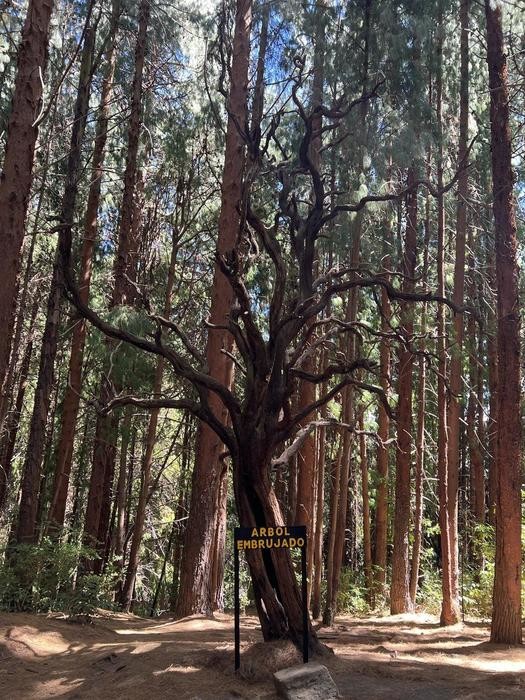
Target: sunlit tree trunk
x,y
151,433
72,396
306,459
26,527
367,541
475,417
506,611
420,427
447,479
104,450
383,430
195,595
317,543
400,601
454,406
17,167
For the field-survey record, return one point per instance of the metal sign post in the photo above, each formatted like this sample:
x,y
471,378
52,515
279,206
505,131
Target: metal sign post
x,y
276,537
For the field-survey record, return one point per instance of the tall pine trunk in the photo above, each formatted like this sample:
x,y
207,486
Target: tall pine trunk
x,y
506,610
195,594
106,434
17,168
26,527
454,403
383,430
420,427
400,601
151,433
71,402
306,458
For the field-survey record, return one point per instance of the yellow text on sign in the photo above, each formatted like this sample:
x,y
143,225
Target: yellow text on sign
x,y
270,532
274,543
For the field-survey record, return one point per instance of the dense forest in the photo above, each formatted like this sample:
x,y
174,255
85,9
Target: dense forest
x,y
260,266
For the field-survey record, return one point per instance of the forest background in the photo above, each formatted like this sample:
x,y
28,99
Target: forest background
x,y
261,265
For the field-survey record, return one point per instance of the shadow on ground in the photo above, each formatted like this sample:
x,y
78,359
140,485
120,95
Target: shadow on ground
x,y
133,659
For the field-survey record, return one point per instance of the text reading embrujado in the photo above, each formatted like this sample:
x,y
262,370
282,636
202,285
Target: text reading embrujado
x,y
270,537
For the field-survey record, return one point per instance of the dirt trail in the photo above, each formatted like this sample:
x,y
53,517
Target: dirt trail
x,y
125,657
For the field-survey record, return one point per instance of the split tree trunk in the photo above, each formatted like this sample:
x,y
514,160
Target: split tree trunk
x,y
277,595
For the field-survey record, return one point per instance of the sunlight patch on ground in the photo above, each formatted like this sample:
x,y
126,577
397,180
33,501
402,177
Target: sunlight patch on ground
x,y
173,668
40,643
145,647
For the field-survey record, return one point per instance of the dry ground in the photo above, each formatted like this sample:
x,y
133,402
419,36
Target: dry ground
x,y
125,657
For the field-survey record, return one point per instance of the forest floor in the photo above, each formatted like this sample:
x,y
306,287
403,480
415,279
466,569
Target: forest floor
x,y
130,658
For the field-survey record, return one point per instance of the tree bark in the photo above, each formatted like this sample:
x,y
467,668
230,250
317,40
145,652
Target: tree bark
x,y
492,430
317,543
506,611
306,458
17,169
195,595
383,430
447,480
420,427
123,293
475,432
400,601
454,407
26,527
72,396
367,541
277,595
133,562
8,442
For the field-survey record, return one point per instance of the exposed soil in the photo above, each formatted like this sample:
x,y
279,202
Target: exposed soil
x,y
126,657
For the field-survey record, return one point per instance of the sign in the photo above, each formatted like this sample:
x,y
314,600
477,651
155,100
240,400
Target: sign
x,y
270,537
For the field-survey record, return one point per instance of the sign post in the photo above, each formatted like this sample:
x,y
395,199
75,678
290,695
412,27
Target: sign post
x,y
277,537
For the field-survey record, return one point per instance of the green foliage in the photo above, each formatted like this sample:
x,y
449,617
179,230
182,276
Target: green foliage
x,y
352,596
130,366
42,578
429,590
81,602
478,577
477,591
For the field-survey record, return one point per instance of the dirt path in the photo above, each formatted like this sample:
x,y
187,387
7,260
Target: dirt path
x,y
121,656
